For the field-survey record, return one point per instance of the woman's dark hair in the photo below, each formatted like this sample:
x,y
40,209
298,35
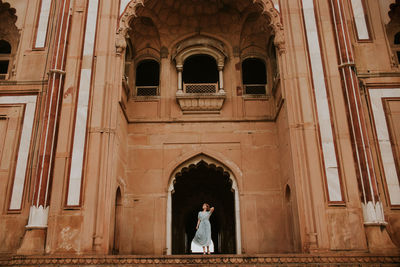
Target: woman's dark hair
x,y
208,206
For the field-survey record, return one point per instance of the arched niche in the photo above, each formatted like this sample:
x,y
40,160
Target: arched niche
x,y
267,7
8,34
171,19
187,171
142,43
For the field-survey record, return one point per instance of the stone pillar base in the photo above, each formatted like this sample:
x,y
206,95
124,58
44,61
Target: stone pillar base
x,y
33,242
379,240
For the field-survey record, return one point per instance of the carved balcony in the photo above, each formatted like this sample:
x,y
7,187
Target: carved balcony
x,y
201,98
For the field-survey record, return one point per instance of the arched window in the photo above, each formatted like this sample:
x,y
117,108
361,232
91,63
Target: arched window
x,y
5,55
254,76
147,78
200,74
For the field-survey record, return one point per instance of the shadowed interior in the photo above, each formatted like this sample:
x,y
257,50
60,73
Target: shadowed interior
x,y
195,185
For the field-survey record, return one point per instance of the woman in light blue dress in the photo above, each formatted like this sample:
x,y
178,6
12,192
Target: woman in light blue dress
x,y
203,233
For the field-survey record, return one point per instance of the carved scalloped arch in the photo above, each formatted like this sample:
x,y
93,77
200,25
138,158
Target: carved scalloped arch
x,y
267,7
9,30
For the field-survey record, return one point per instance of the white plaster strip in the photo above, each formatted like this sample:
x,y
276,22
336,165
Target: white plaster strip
x,y
324,120
123,5
359,18
41,33
276,5
24,145
78,149
382,132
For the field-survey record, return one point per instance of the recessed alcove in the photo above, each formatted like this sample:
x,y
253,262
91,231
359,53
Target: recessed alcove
x,y
194,185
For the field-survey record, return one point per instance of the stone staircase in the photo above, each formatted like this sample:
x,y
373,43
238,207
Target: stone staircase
x,y
205,260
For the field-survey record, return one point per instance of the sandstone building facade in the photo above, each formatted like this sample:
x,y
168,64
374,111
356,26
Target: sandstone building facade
x,y
119,118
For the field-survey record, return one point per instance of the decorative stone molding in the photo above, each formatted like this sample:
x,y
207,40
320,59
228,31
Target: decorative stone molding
x,y
197,260
200,103
200,44
275,24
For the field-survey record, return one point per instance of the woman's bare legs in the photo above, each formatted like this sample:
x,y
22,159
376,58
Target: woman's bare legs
x,y
208,250
204,250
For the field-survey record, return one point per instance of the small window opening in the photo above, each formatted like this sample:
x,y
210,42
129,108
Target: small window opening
x,y
4,66
5,53
287,193
147,78
396,43
200,74
5,47
397,38
254,76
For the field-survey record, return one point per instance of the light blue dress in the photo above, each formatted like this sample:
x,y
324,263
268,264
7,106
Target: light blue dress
x,y
203,233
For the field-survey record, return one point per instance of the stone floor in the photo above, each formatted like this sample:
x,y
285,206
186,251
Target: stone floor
x,y
207,260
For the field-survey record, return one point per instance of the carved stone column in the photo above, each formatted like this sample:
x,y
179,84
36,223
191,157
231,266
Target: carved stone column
x,y
179,68
35,235
371,202
221,79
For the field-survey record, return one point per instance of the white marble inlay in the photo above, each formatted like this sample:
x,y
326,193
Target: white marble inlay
x,y
324,120
24,145
38,217
373,213
123,5
382,132
360,20
276,5
75,179
43,24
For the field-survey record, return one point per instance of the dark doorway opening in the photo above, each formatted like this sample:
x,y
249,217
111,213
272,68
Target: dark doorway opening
x,y
5,52
147,78
254,76
200,69
147,73
203,183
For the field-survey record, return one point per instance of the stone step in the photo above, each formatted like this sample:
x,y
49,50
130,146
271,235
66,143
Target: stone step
x,y
205,260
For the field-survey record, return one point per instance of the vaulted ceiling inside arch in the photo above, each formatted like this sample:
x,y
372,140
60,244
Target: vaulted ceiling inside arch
x,y
162,22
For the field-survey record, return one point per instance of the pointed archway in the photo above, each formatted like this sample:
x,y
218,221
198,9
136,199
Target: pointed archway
x,y
117,222
196,181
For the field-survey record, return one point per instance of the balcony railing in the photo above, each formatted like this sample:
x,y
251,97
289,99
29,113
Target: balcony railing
x,y
255,89
200,88
3,76
146,90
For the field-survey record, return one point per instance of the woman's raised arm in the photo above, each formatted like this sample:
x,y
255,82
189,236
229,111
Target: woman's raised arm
x,y
211,210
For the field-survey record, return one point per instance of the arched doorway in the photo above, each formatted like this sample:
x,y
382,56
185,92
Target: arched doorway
x,y
117,222
203,180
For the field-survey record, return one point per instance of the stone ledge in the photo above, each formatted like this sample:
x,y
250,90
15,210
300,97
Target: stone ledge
x,y
206,260
200,103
